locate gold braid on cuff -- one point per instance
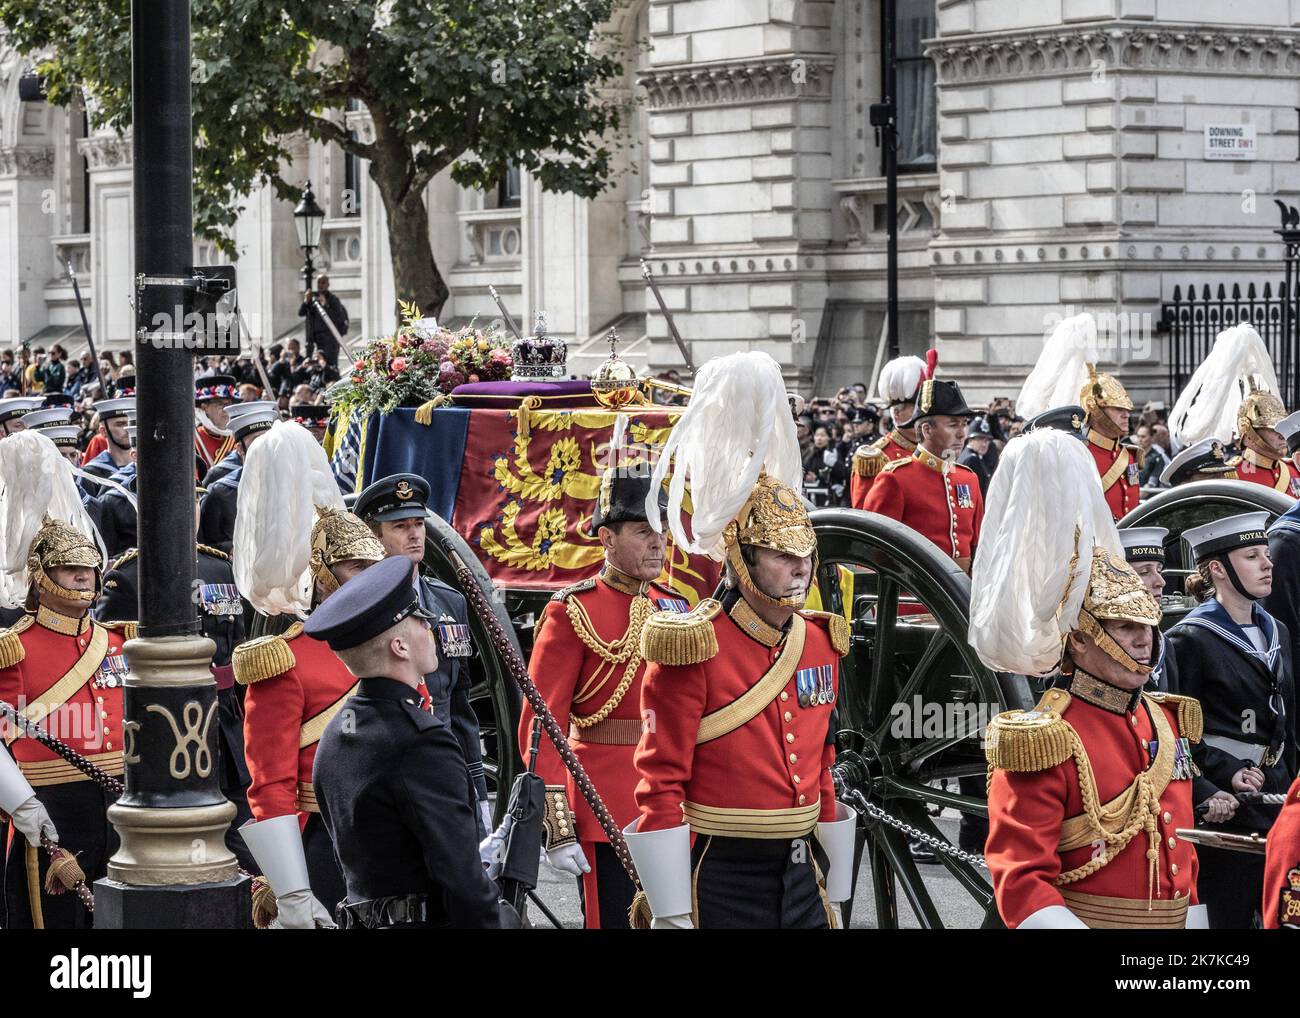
(558, 828)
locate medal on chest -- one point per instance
(816, 686)
(454, 639)
(221, 599)
(672, 604)
(1132, 472)
(1294, 487)
(964, 498)
(112, 672)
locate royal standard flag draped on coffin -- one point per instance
(521, 485)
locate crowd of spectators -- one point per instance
(31, 371)
(831, 429)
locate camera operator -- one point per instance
(319, 336)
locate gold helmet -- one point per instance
(1115, 592)
(339, 536)
(58, 544)
(1260, 409)
(1102, 390)
(773, 517)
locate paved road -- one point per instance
(958, 909)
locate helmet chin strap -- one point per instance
(1102, 422)
(737, 561)
(1107, 645)
(1233, 578)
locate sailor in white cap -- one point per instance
(1235, 658)
(1144, 550)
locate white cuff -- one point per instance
(14, 788)
(663, 862)
(276, 844)
(837, 839)
(1198, 918)
(1053, 917)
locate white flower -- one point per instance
(425, 328)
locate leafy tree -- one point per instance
(464, 85)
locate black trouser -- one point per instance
(614, 889)
(758, 884)
(322, 868)
(79, 811)
(1231, 886)
(233, 773)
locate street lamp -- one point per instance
(307, 219)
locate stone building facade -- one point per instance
(1053, 152)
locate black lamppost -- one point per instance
(307, 219)
(172, 868)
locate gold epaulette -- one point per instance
(124, 558)
(12, 650)
(837, 626)
(869, 460)
(1138, 453)
(265, 657)
(1032, 740)
(1191, 723)
(129, 630)
(895, 464)
(681, 638)
(574, 588)
(213, 551)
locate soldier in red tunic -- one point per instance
(738, 696)
(900, 381)
(212, 438)
(1088, 789)
(1107, 406)
(936, 497)
(1282, 866)
(1263, 458)
(294, 684)
(587, 663)
(61, 670)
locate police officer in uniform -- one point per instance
(1087, 790)
(751, 678)
(390, 777)
(1236, 659)
(394, 508)
(220, 504)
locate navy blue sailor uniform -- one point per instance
(222, 468)
(1247, 698)
(117, 518)
(1283, 601)
(217, 512)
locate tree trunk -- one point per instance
(415, 272)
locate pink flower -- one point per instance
(399, 364)
(473, 378)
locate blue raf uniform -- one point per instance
(406, 496)
(392, 784)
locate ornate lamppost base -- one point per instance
(173, 869)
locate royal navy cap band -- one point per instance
(1228, 534)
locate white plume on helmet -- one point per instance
(286, 475)
(35, 480)
(900, 378)
(1062, 367)
(736, 425)
(1207, 406)
(1043, 515)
